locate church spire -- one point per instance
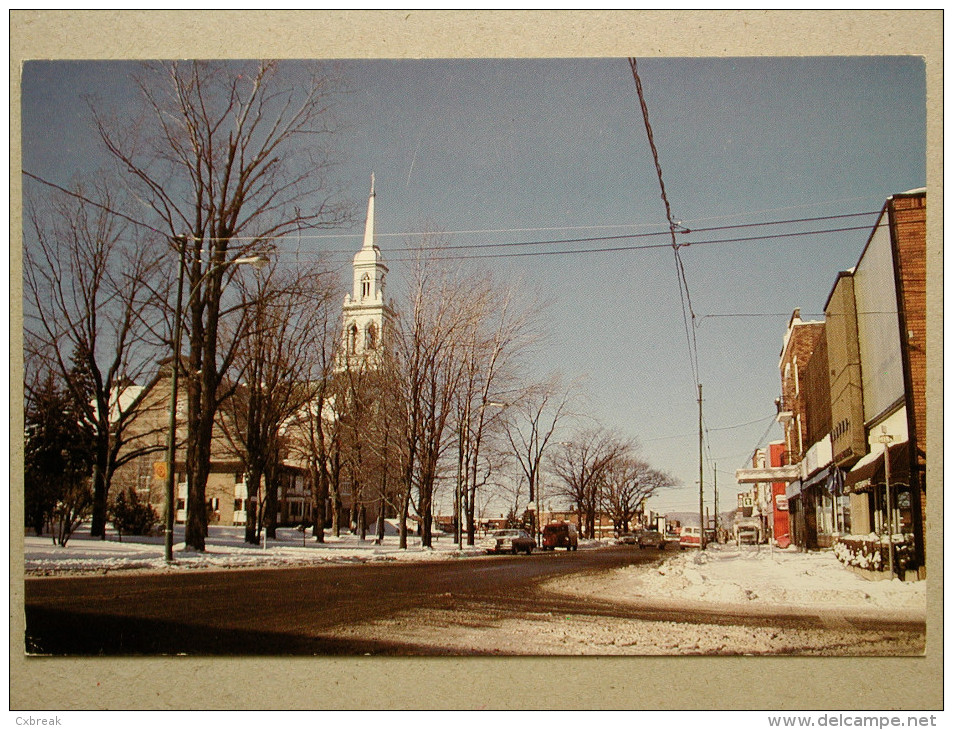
(367, 318)
(369, 225)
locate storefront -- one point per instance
(869, 483)
(819, 510)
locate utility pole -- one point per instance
(701, 474)
(716, 504)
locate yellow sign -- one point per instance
(159, 470)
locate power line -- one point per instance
(720, 428)
(683, 230)
(812, 219)
(590, 239)
(743, 239)
(605, 249)
(93, 203)
(760, 441)
(683, 292)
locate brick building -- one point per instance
(225, 492)
(890, 295)
(853, 400)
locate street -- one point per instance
(485, 605)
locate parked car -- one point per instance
(509, 541)
(651, 538)
(560, 534)
(690, 537)
(626, 538)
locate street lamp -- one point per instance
(257, 262)
(885, 439)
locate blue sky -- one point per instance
(509, 151)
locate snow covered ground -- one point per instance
(750, 579)
(225, 548)
(727, 581)
(723, 574)
(756, 576)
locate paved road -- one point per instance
(314, 610)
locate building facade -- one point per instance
(853, 404)
(887, 483)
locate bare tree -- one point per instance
(230, 156)
(500, 334)
(273, 378)
(90, 308)
(581, 466)
(359, 412)
(629, 481)
(315, 428)
(530, 426)
(428, 371)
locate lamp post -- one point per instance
(885, 439)
(258, 262)
(540, 519)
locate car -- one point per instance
(560, 534)
(509, 541)
(651, 538)
(690, 537)
(626, 538)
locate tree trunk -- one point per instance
(98, 528)
(319, 498)
(203, 388)
(196, 526)
(380, 523)
(251, 522)
(335, 487)
(197, 461)
(271, 505)
(382, 501)
(402, 517)
(426, 517)
(253, 492)
(320, 517)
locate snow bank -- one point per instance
(757, 575)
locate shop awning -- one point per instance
(871, 470)
(792, 490)
(830, 478)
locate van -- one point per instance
(690, 537)
(560, 534)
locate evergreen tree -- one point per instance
(131, 516)
(58, 460)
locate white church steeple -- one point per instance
(366, 316)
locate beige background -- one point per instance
(472, 683)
